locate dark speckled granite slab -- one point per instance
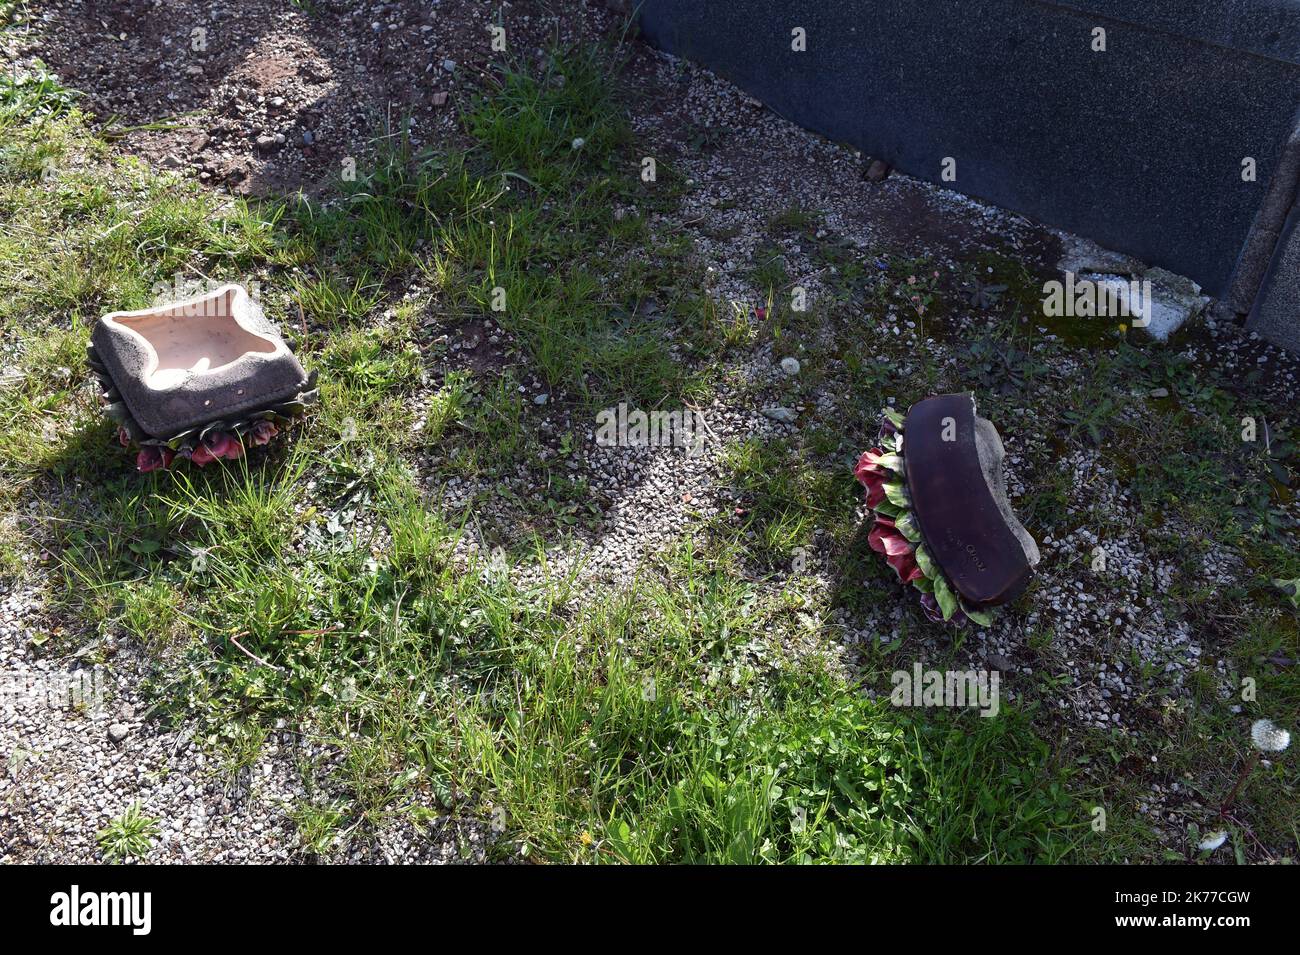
(1139, 146)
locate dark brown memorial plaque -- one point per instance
(954, 477)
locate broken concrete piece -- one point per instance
(197, 378)
(876, 170)
(958, 494)
(1159, 302)
(941, 518)
(203, 359)
(1079, 255)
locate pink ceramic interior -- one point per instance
(193, 338)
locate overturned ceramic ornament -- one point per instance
(940, 512)
(200, 379)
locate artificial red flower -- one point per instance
(217, 444)
(899, 554)
(887, 541)
(152, 457)
(869, 464)
(262, 432)
(905, 566)
(875, 489)
(875, 457)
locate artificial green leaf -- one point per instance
(946, 598)
(895, 418)
(926, 562)
(896, 493)
(906, 525)
(213, 426)
(885, 509)
(891, 461)
(983, 617)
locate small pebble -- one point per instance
(783, 415)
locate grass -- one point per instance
(325, 585)
(522, 229)
(129, 836)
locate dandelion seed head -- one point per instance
(1268, 737)
(1213, 841)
